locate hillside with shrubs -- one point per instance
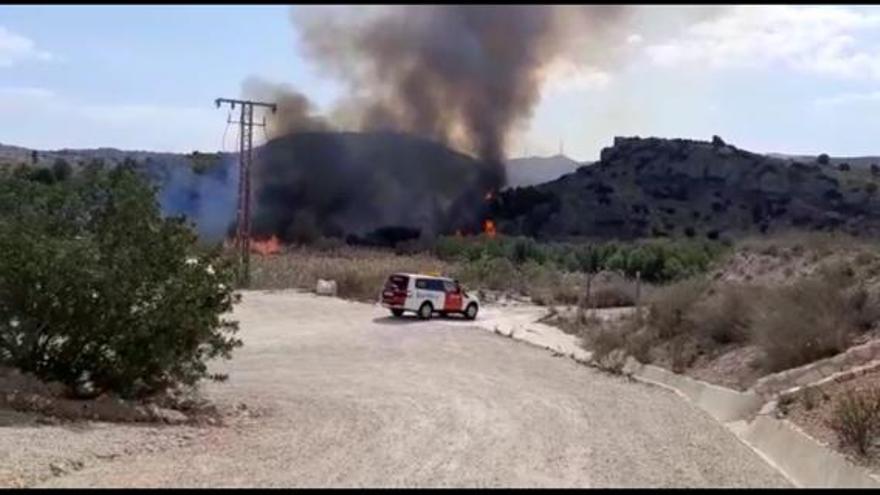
(652, 187)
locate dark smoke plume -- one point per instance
(295, 113)
(463, 75)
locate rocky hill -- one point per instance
(648, 187)
(846, 161)
(346, 183)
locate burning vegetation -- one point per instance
(272, 245)
(374, 188)
(489, 228)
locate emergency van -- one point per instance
(426, 295)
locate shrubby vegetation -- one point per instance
(549, 273)
(657, 260)
(856, 420)
(102, 294)
(812, 316)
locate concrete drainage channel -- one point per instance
(804, 461)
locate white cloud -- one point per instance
(822, 40)
(15, 48)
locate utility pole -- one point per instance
(245, 160)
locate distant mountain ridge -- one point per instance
(524, 171)
(14, 155)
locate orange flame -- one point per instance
(489, 228)
(266, 246)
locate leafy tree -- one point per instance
(100, 292)
(42, 175)
(823, 159)
(61, 169)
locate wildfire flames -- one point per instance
(266, 246)
(489, 228)
(489, 224)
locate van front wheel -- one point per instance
(426, 311)
(471, 312)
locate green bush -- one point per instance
(99, 292)
(489, 273)
(657, 260)
(524, 249)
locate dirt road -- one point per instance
(354, 398)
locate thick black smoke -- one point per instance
(294, 113)
(465, 75)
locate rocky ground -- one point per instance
(340, 394)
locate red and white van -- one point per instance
(426, 295)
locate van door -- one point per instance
(431, 290)
(453, 296)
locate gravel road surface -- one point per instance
(348, 396)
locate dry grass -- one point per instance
(360, 273)
(725, 315)
(603, 339)
(800, 242)
(808, 320)
(792, 324)
(613, 295)
(811, 397)
(772, 323)
(856, 419)
(669, 308)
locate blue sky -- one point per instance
(786, 79)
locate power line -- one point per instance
(245, 159)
